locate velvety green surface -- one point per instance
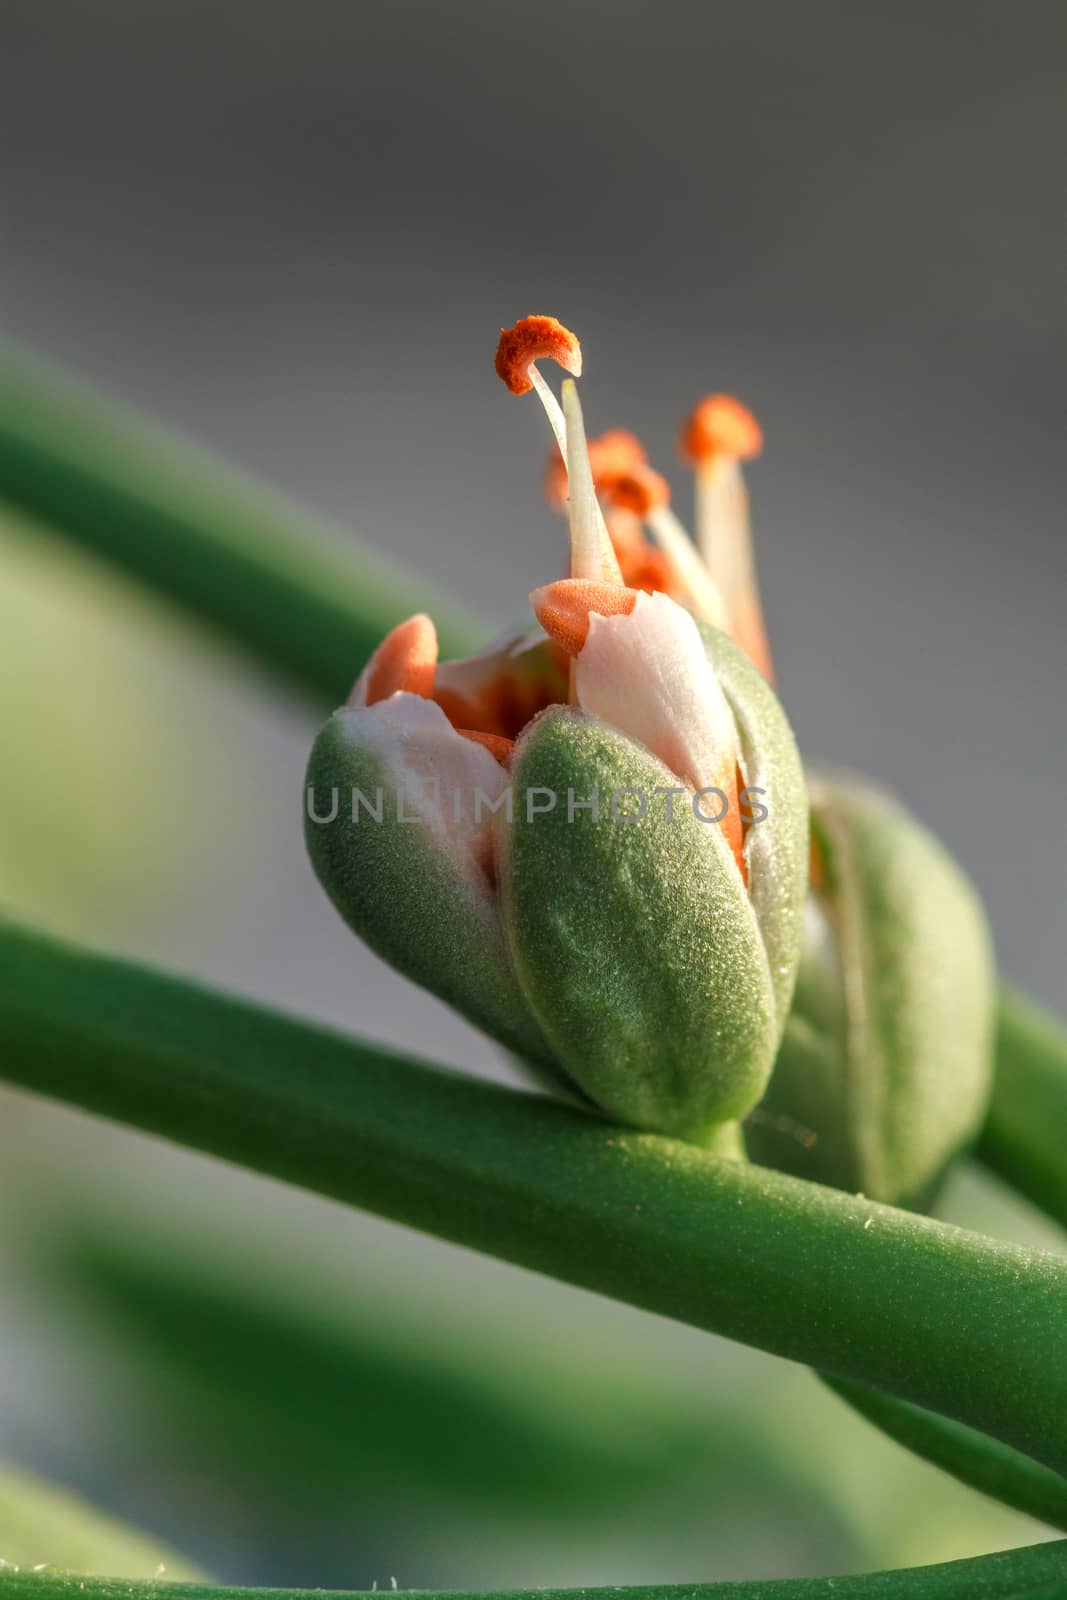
(634, 940)
(886, 1066)
(1038, 1572)
(776, 848)
(406, 894)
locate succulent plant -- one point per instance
(608, 866)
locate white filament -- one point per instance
(672, 537)
(724, 537)
(588, 533)
(552, 408)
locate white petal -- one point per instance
(435, 774)
(647, 675)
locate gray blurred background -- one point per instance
(293, 232)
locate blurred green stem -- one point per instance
(268, 575)
(1025, 1142)
(804, 1272)
(976, 1460)
(1037, 1572)
(1025, 1136)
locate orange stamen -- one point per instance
(733, 823)
(720, 426)
(643, 565)
(626, 533)
(640, 489)
(750, 635)
(501, 703)
(650, 570)
(495, 743)
(615, 452)
(535, 339)
(405, 660)
(563, 608)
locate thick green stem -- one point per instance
(1025, 1136)
(270, 576)
(1038, 1572)
(967, 1326)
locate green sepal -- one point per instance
(401, 890)
(635, 940)
(885, 1069)
(776, 848)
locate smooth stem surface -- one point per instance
(1038, 1572)
(976, 1460)
(1025, 1136)
(269, 576)
(960, 1324)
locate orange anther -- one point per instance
(563, 608)
(615, 452)
(640, 489)
(649, 570)
(406, 659)
(495, 743)
(626, 533)
(720, 426)
(535, 339)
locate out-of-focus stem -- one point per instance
(267, 574)
(1025, 1136)
(976, 1460)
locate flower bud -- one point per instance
(885, 1069)
(659, 968)
(398, 824)
(591, 841)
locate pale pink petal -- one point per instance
(647, 675)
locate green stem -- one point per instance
(1038, 1572)
(1025, 1142)
(1025, 1136)
(976, 1460)
(726, 1139)
(268, 575)
(807, 1273)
